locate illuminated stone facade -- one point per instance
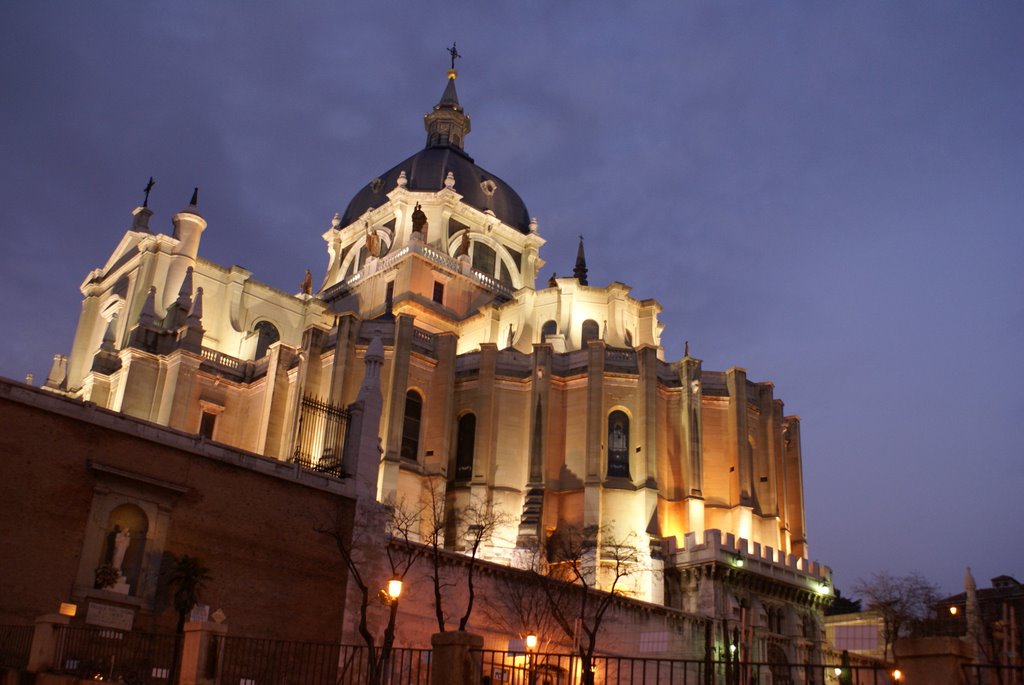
(550, 402)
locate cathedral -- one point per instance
(548, 401)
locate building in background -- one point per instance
(551, 405)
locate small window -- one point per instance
(411, 425)
(439, 292)
(389, 296)
(618, 445)
(464, 444)
(591, 331)
(268, 335)
(206, 424)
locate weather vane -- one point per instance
(454, 53)
(149, 187)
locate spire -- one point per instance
(194, 202)
(579, 272)
(447, 124)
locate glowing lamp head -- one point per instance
(838, 671)
(68, 609)
(953, 611)
(897, 675)
(531, 641)
(732, 649)
(394, 588)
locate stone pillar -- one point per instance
(362, 456)
(43, 653)
(200, 656)
(457, 659)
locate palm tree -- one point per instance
(187, 579)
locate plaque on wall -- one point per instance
(109, 616)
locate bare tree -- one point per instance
(586, 567)
(391, 526)
(519, 606)
(900, 600)
(476, 523)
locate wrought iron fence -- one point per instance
(506, 668)
(254, 661)
(15, 644)
(321, 437)
(992, 674)
(406, 666)
(107, 654)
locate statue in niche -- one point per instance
(122, 538)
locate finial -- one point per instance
(686, 348)
(533, 224)
(147, 317)
(185, 291)
(336, 220)
(402, 179)
(553, 281)
(149, 187)
(449, 181)
(455, 55)
(194, 202)
(195, 312)
(580, 271)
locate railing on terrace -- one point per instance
(506, 668)
(107, 654)
(254, 661)
(15, 644)
(246, 370)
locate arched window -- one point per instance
(464, 442)
(268, 335)
(550, 327)
(618, 445)
(591, 331)
(411, 425)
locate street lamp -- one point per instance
(394, 589)
(531, 645)
(897, 675)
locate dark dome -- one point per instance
(426, 171)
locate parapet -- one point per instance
(711, 546)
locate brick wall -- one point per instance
(251, 520)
